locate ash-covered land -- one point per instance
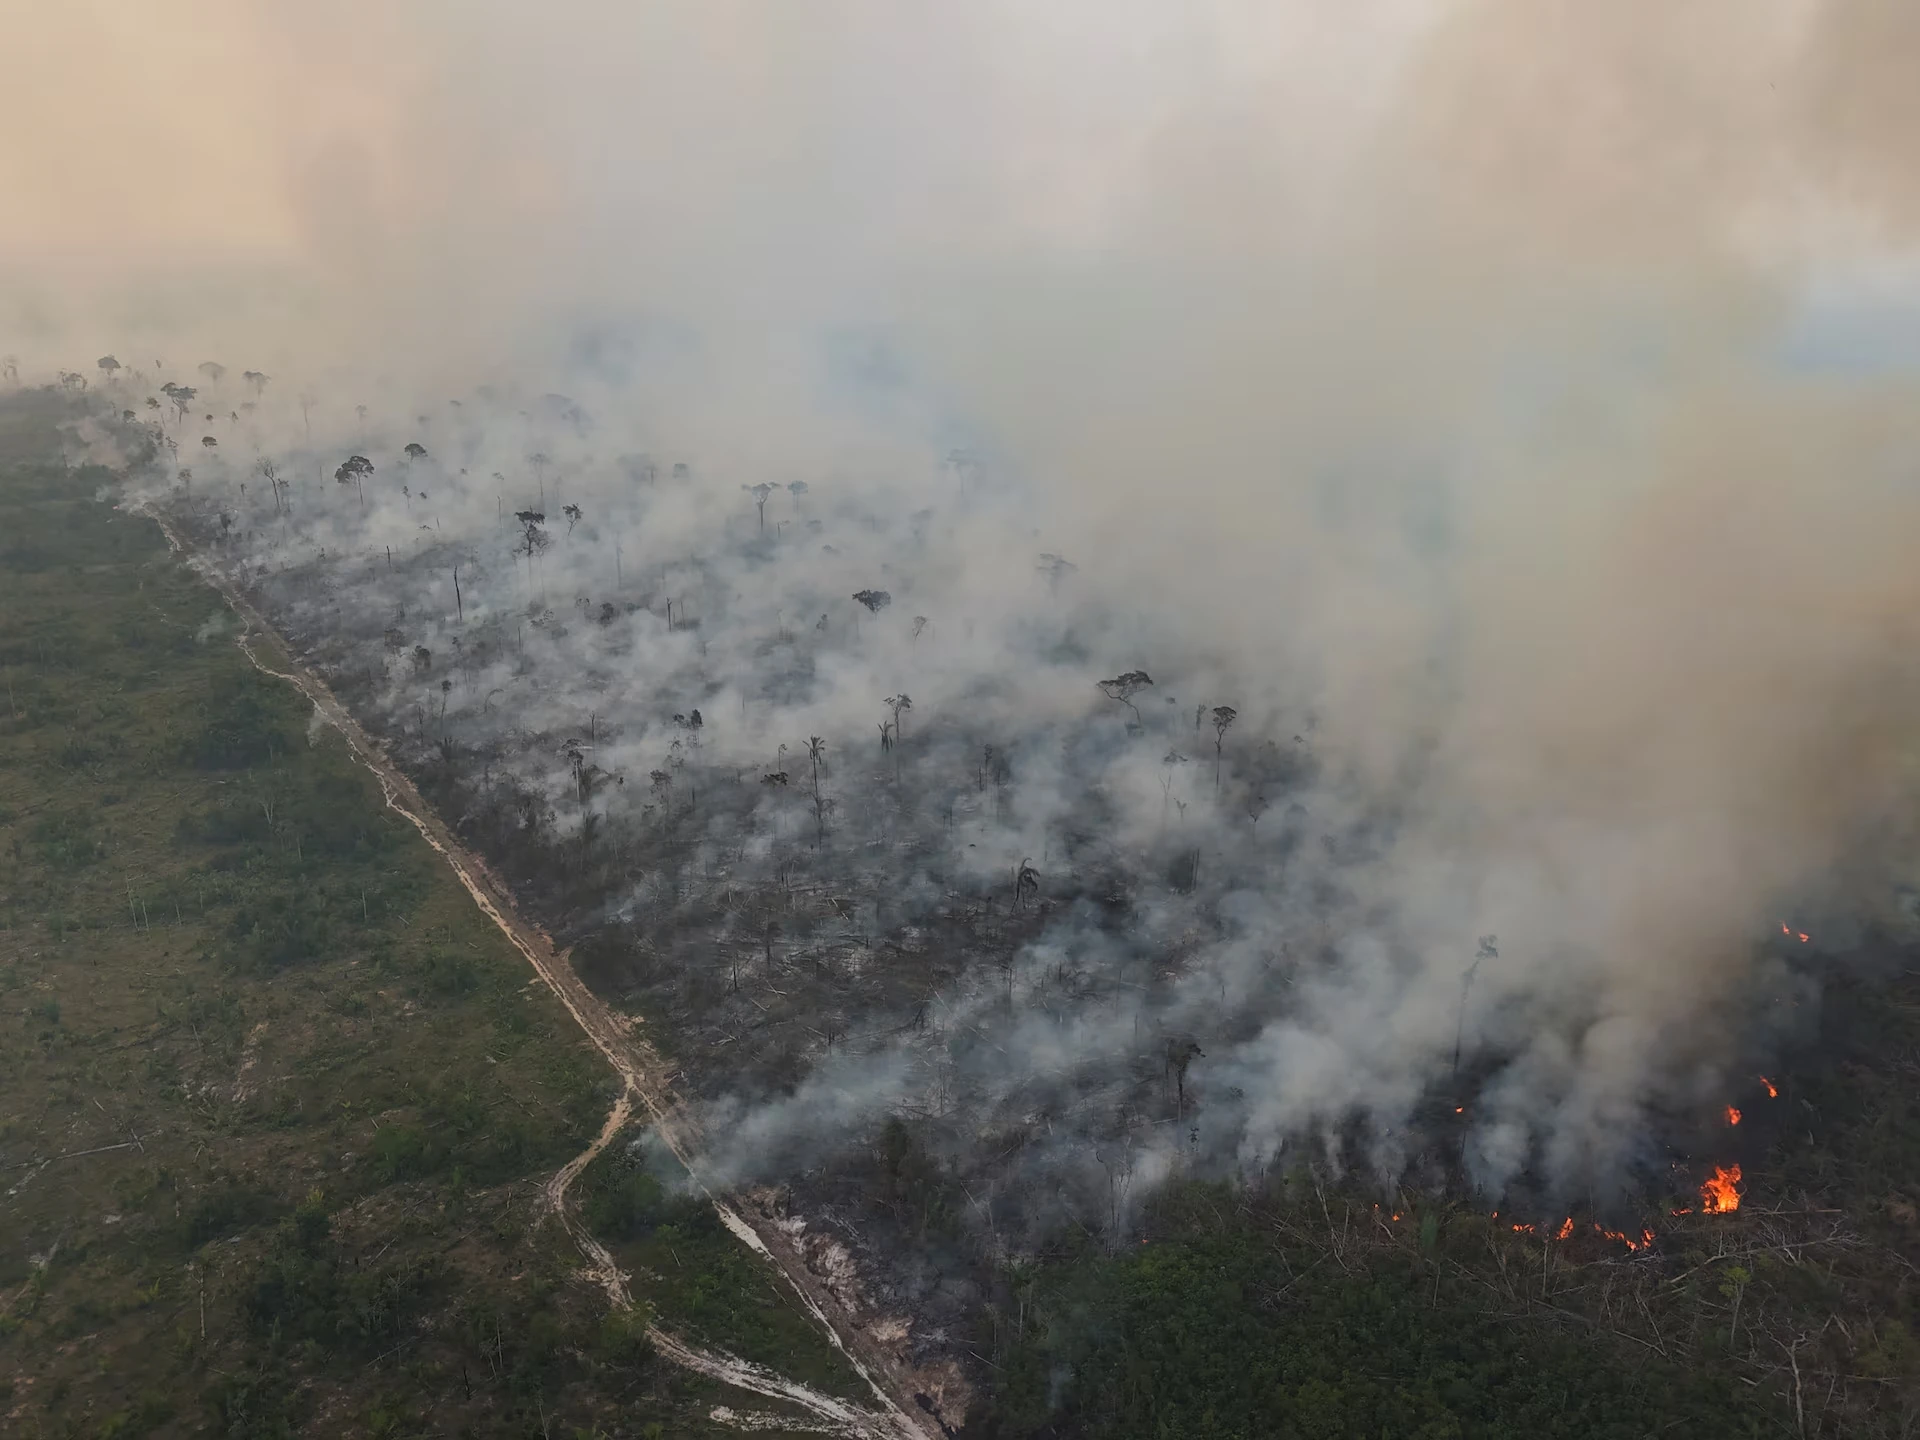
(921, 848)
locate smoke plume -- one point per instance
(1500, 405)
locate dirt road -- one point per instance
(642, 1076)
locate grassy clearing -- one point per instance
(275, 1099)
(680, 1255)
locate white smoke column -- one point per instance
(1430, 373)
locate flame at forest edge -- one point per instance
(1720, 1195)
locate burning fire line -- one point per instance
(1720, 1195)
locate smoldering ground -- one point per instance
(1430, 392)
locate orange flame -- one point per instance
(1566, 1229)
(1720, 1195)
(1645, 1240)
(1804, 937)
(1772, 1094)
(1733, 1116)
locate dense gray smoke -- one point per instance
(1491, 406)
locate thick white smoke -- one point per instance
(1433, 383)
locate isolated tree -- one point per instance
(1026, 883)
(10, 369)
(1171, 762)
(152, 404)
(534, 541)
(572, 512)
(107, 365)
(899, 704)
(354, 471)
(1124, 687)
(207, 442)
(919, 624)
(307, 402)
(271, 473)
(415, 450)
(1056, 568)
(360, 413)
(182, 396)
(1180, 1054)
(1223, 716)
(213, 370)
(422, 659)
(680, 470)
(577, 762)
(73, 380)
(797, 489)
(1489, 950)
(874, 600)
(816, 752)
(761, 494)
(255, 379)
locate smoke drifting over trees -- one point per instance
(1443, 414)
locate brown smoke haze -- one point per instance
(1423, 365)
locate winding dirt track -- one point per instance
(642, 1078)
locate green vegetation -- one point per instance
(1289, 1311)
(1225, 1324)
(717, 1293)
(276, 1101)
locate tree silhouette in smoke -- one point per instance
(1055, 568)
(1223, 717)
(1124, 687)
(354, 471)
(761, 493)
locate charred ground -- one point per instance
(982, 1078)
